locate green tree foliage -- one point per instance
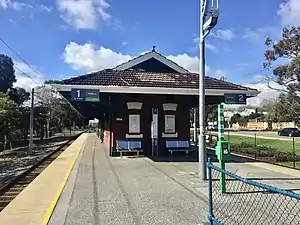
(283, 58)
(236, 118)
(9, 118)
(19, 95)
(7, 73)
(211, 114)
(285, 108)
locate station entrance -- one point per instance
(144, 103)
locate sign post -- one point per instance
(223, 146)
(154, 131)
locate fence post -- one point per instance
(228, 135)
(210, 198)
(294, 155)
(255, 145)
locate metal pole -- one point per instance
(31, 121)
(210, 199)
(294, 155)
(202, 148)
(195, 125)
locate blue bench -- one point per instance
(129, 146)
(178, 146)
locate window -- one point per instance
(134, 123)
(170, 124)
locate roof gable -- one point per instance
(151, 55)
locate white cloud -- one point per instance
(124, 43)
(289, 12)
(212, 48)
(46, 8)
(83, 14)
(224, 34)
(208, 46)
(266, 93)
(4, 3)
(259, 35)
(23, 79)
(88, 58)
(14, 5)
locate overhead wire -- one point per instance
(38, 73)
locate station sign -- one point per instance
(84, 95)
(235, 99)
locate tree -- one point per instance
(7, 73)
(235, 118)
(9, 118)
(19, 95)
(211, 114)
(282, 109)
(286, 53)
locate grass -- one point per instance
(281, 145)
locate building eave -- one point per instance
(154, 90)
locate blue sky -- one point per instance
(62, 38)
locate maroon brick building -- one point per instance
(130, 92)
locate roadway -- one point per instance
(262, 134)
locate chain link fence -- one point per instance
(249, 202)
(281, 151)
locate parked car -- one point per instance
(291, 132)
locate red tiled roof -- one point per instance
(136, 78)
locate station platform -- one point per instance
(98, 189)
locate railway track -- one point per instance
(10, 190)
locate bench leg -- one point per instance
(187, 153)
(171, 152)
(121, 154)
(138, 154)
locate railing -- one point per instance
(249, 202)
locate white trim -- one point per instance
(170, 107)
(134, 105)
(164, 135)
(134, 136)
(148, 56)
(155, 90)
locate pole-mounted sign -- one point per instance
(209, 14)
(235, 99)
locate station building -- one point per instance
(145, 102)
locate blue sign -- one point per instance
(235, 99)
(84, 95)
(78, 95)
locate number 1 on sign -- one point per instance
(78, 93)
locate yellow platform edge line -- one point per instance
(54, 201)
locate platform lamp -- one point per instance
(209, 14)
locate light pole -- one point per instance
(206, 24)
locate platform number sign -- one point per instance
(235, 99)
(84, 95)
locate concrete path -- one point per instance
(128, 191)
(103, 190)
